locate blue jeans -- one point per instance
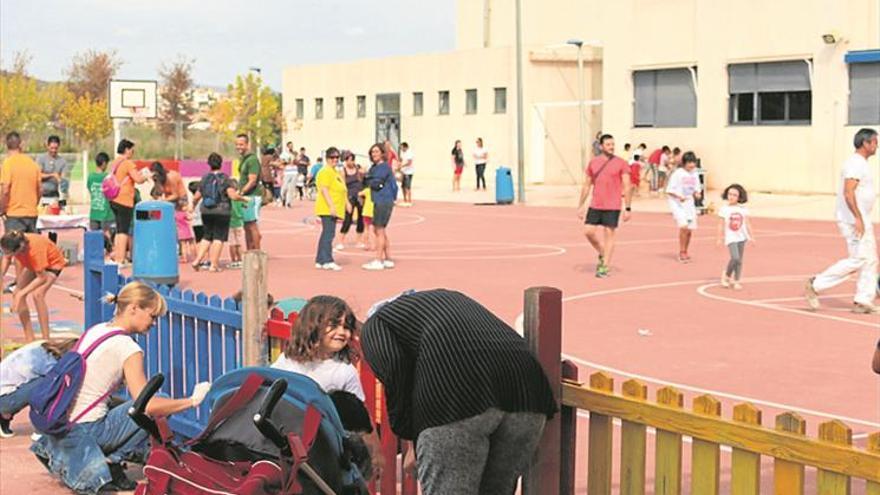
(325, 242)
(15, 401)
(81, 456)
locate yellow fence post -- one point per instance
(873, 488)
(632, 445)
(788, 477)
(745, 476)
(667, 453)
(600, 442)
(829, 482)
(705, 456)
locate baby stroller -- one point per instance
(270, 432)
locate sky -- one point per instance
(224, 37)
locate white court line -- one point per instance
(800, 298)
(703, 291)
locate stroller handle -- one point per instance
(262, 419)
(136, 411)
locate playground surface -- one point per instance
(654, 319)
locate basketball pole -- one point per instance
(520, 145)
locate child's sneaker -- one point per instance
(388, 264)
(865, 309)
(373, 265)
(737, 286)
(319, 266)
(5, 430)
(811, 295)
(332, 266)
(602, 271)
(725, 281)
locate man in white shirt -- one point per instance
(407, 169)
(855, 202)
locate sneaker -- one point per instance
(234, 265)
(865, 309)
(331, 266)
(339, 247)
(388, 264)
(811, 295)
(725, 281)
(319, 266)
(602, 271)
(9, 288)
(737, 286)
(5, 430)
(373, 265)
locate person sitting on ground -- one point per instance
(39, 264)
(89, 457)
(20, 372)
(463, 384)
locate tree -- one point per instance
(87, 118)
(90, 73)
(222, 117)
(264, 126)
(176, 95)
(22, 106)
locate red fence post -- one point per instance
(542, 323)
(568, 446)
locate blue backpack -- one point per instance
(212, 190)
(53, 398)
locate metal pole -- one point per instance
(520, 147)
(581, 119)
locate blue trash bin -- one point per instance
(503, 186)
(154, 245)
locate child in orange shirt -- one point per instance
(40, 263)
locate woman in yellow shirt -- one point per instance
(331, 204)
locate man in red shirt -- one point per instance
(607, 178)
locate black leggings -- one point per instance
(481, 174)
(346, 222)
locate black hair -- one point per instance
(124, 146)
(665, 149)
(215, 161)
(101, 159)
(268, 150)
(404, 144)
(743, 195)
(243, 136)
(193, 186)
(160, 175)
(676, 150)
(289, 142)
(381, 150)
(302, 148)
(863, 136)
(688, 157)
(13, 141)
(331, 150)
(626, 147)
(605, 137)
(352, 412)
(53, 139)
(643, 145)
(12, 241)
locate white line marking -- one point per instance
(801, 298)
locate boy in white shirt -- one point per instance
(684, 186)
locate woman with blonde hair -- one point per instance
(90, 456)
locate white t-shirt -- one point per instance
(735, 228)
(664, 162)
(856, 167)
(684, 183)
(330, 374)
(103, 370)
(480, 155)
(407, 157)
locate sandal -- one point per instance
(196, 266)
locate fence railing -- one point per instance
(832, 453)
(199, 339)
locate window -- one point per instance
(864, 93)
(300, 108)
(470, 101)
(665, 98)
(500, 100)
(319, 108)
(340, 107)
(417, 103)
(443, 103)
(388, 103)
(774, 93)
(361, 106)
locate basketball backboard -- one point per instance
(132, 99)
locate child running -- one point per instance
(20, 372)
(40, 263)
(684, 186)
(735, 229)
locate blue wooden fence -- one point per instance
(199, 339)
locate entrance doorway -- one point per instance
(388, 118)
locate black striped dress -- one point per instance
(442, 357)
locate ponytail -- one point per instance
(139, 294)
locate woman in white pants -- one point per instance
(855, 201)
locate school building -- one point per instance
(768, 94)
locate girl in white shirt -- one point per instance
(734, 230)
(481, 156)
(683, 188)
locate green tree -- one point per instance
(87, 118)
(261, 122)
(176, 95)
(22, 107)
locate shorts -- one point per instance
(124, 216)
(251, 211)
(368, 221)
(684, 214)
(382, 214)
(407, 182)
(23, 224)
(105, 225)
(236, 236)
(607, 218)
(55, 271)
(215, 228)
(459, 169)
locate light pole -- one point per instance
(520, 147)
(259, 72)
(581, 125)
